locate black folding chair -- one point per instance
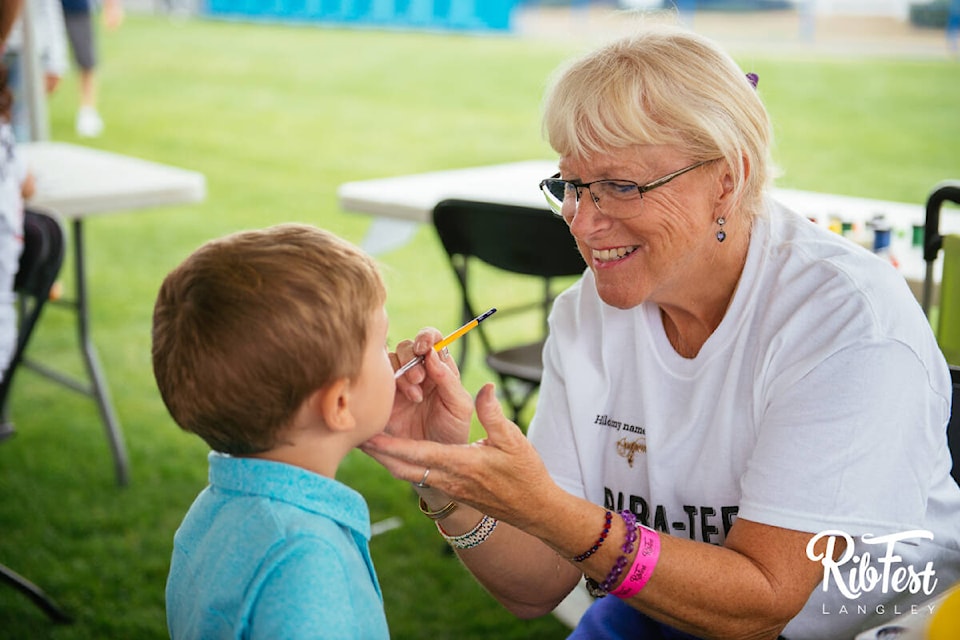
(40, 262)
(43, 250)
(515, 239)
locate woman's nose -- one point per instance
(588, 217)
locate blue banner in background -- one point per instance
(452, 15)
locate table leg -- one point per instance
(96, 385)
(36, 594)
(98, 382)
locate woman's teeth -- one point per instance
(608, 255)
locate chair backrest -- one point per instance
(513, 238)
(40, 262)
(516, 239)
(519, 240)
(953, 427)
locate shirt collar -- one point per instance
(294, 485)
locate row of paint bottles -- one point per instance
(875, 235)
(882, 237)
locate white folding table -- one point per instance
(78, 182)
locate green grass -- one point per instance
(276, 118)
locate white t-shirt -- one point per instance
(819, 403)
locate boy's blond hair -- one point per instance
(249, 325)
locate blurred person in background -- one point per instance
(953, 27)
(51, 46)
(81, 33)
(15, 185)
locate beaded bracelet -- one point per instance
(608, 518)
(472, 538)
(630, 521)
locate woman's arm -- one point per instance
(749, 588)
(525, 575)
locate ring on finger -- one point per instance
(423, 481)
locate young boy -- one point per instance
(271, 346)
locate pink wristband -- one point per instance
(648, 552)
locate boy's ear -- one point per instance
(331, 403)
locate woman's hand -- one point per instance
(431, 403)
(497, 475)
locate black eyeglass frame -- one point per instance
(580, 186)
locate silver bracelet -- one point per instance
(472, 538)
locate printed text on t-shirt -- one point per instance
(702, 523)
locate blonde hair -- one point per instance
(252, 323)
(663, 85)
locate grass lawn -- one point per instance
(276, 118)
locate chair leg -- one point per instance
(32, 591)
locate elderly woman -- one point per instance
(741, 425)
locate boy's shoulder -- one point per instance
(290, 497)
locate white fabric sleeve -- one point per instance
(837, 445)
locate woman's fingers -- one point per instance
(494, 475)
(409, 383)
(489, 409)
(501, 432)
(442, 371)
(405, 459)
(398, 468)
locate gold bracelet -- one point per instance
(440, 513)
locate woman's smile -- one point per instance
(613, 254)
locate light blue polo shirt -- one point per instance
(273, 551)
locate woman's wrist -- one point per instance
(433, 497)
(438, 513)
(632, 569)
(608, 522)
(433, 503)
(472, 538)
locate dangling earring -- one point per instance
(721, 234)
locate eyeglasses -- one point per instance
(614, 198)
